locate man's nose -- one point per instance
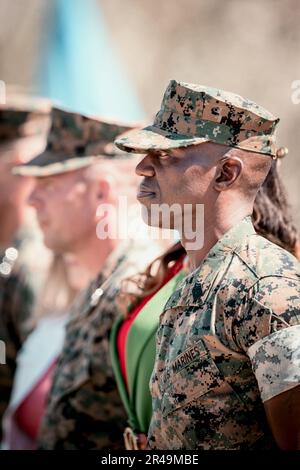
(145, 167)
(33, 199)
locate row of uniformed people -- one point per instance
(83, 373)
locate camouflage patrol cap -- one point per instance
(23, 116)
(193, 114)
(74, 141)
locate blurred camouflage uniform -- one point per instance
(21, 117)
(84, 410)
(74, 141)
(16, 299)
(229, 336)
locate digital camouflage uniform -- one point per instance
(16, 300)
(229, 339)
(229, 336)
(194, 114)
(84, 409)
(20, 117)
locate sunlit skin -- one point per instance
(208, 174)
(66, 206)
(226, 181)
(65, 210)
(14, 189)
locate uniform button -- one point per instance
(5, 268)
(96, 296)
(11, 254)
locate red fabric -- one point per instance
(127, 323)
(30, 412)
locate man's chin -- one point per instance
(156, 222)
(52, 245)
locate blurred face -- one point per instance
(181, 176)
(14, 189)
(66, 210)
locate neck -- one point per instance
(9, 226)
(215, 224)
(87, 260)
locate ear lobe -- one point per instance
(103, 190)
(18, 158)
(228, 171)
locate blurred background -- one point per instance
(115, 57)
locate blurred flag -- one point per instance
(78, 64)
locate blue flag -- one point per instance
(78, 65)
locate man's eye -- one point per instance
(49, 186)
(163, 156)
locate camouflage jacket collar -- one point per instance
(195, 288)
(88, 299)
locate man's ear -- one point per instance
(19, 158)
(28, 148)
(228, 170)
(103, 190)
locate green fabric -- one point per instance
(116, 367)
(140, 356)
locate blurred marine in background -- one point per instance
(24, 122)
(78, 181)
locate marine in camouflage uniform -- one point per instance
(16, 300)
(229, 336)
(84, 410)
(21, 119)
(229, 339)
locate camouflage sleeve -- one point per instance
(15, 309)
(16, 306)
(269, 333)
(276, 362)
(84, 410)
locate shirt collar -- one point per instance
(195, 288)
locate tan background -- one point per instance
(249, 47)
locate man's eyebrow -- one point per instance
(157, 153)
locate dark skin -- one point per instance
(283, 414)
(209, 174)
(226, 181)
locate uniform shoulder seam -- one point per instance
(282, 276)
(246, 264)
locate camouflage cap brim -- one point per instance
(192, 114)
(74, 141)
(34, 168)
(23, 115)
(154, 138)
